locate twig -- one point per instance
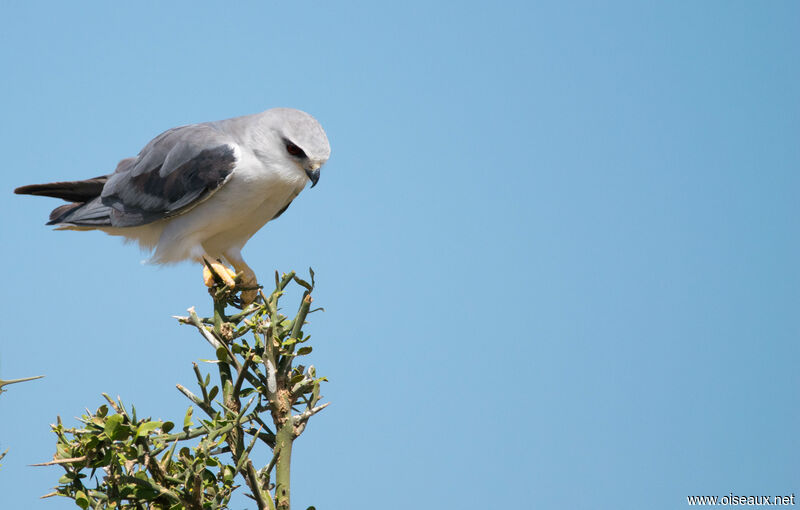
(237, 387)
(15, 381)
(194, 320)
(61, 461)
(196, 400)
(308, 413)
(163, 491)
(300, 319)
(255, 486)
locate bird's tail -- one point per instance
(86, 209)
(71, 191)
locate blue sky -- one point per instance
(557, 243)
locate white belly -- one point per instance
(251, 197)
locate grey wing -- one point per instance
(174, 172)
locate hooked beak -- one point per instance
(313, 174)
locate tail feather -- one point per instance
(59, 213)
(85, 209)
(91, 214)
(71, 191)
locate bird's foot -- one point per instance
(250, 284)
(214, 271)
(217, 274)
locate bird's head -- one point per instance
(297, 141)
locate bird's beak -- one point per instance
(313, 173)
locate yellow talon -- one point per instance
(227, 274)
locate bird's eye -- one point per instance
(294, 150)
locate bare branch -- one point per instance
(15, 381)
(55, 462)
(196, 400)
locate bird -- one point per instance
(199, 192)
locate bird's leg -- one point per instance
(248, 281)
(217, 268)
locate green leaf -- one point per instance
(222, 354)
(102, 411)
(146, 428)
(187, 420)
(296, 379)
(167, 426)
(302, 351)
(126, 491)
(81, 500)
(92, 442)
(228, 473)
(105, 461)
(213, 392)
(311, 272)
(112, 425)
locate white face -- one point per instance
(301, 140)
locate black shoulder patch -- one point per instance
(282, 210)
(202, 173)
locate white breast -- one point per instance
(252, 195)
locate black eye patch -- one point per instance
(294, 150)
